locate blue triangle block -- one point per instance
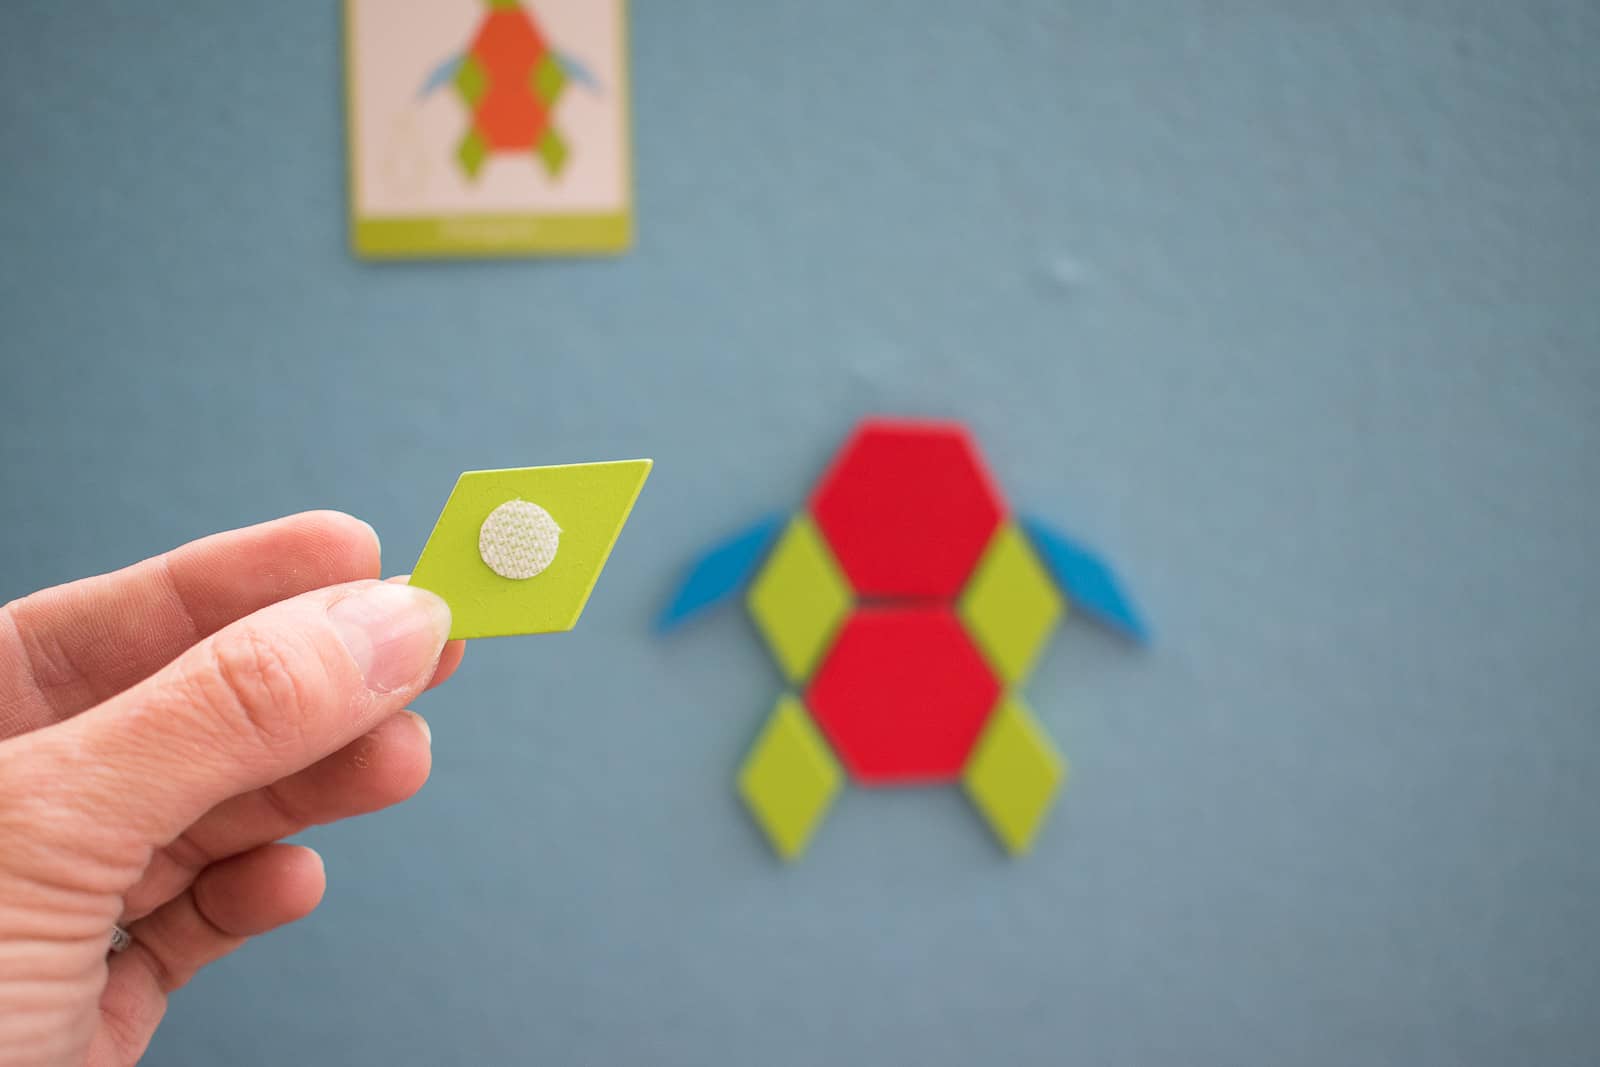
(573, 68)
(1088, 582)
(442, 75)
(719, 572)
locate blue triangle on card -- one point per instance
(441, 76)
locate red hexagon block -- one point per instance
(508, 44)
(908, 508)
(903, 695)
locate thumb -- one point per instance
(254, 702)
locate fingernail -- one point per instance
(374, 531)
(422, 724)
(322, 865)
(394, 632)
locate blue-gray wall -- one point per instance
(1291, 307)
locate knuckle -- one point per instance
(42, 655)
(263, 686)
(167, 978)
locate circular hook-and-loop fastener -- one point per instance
(518, 540)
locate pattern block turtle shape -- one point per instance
(906, 606)
(510, 79)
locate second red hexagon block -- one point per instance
(903, 695)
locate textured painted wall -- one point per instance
(1292, 307)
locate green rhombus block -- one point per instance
(471, 80)
(472, 153)
(548, 80)
(553, 150)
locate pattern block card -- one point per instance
(488, 127)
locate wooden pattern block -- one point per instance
(719, 572)
(590, 503)
(798, 599)
(1011, 605)
(1088, 581)
(789, 779)
(1013, 775)
(907, 507)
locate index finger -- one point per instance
(66, 649)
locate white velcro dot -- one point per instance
(518, 539)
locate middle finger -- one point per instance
(375, 771)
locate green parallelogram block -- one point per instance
(589, 502)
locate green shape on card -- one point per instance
(471, 80)
(472, 152)
(553, 151)
(548, 80)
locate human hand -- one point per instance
(160, 729)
